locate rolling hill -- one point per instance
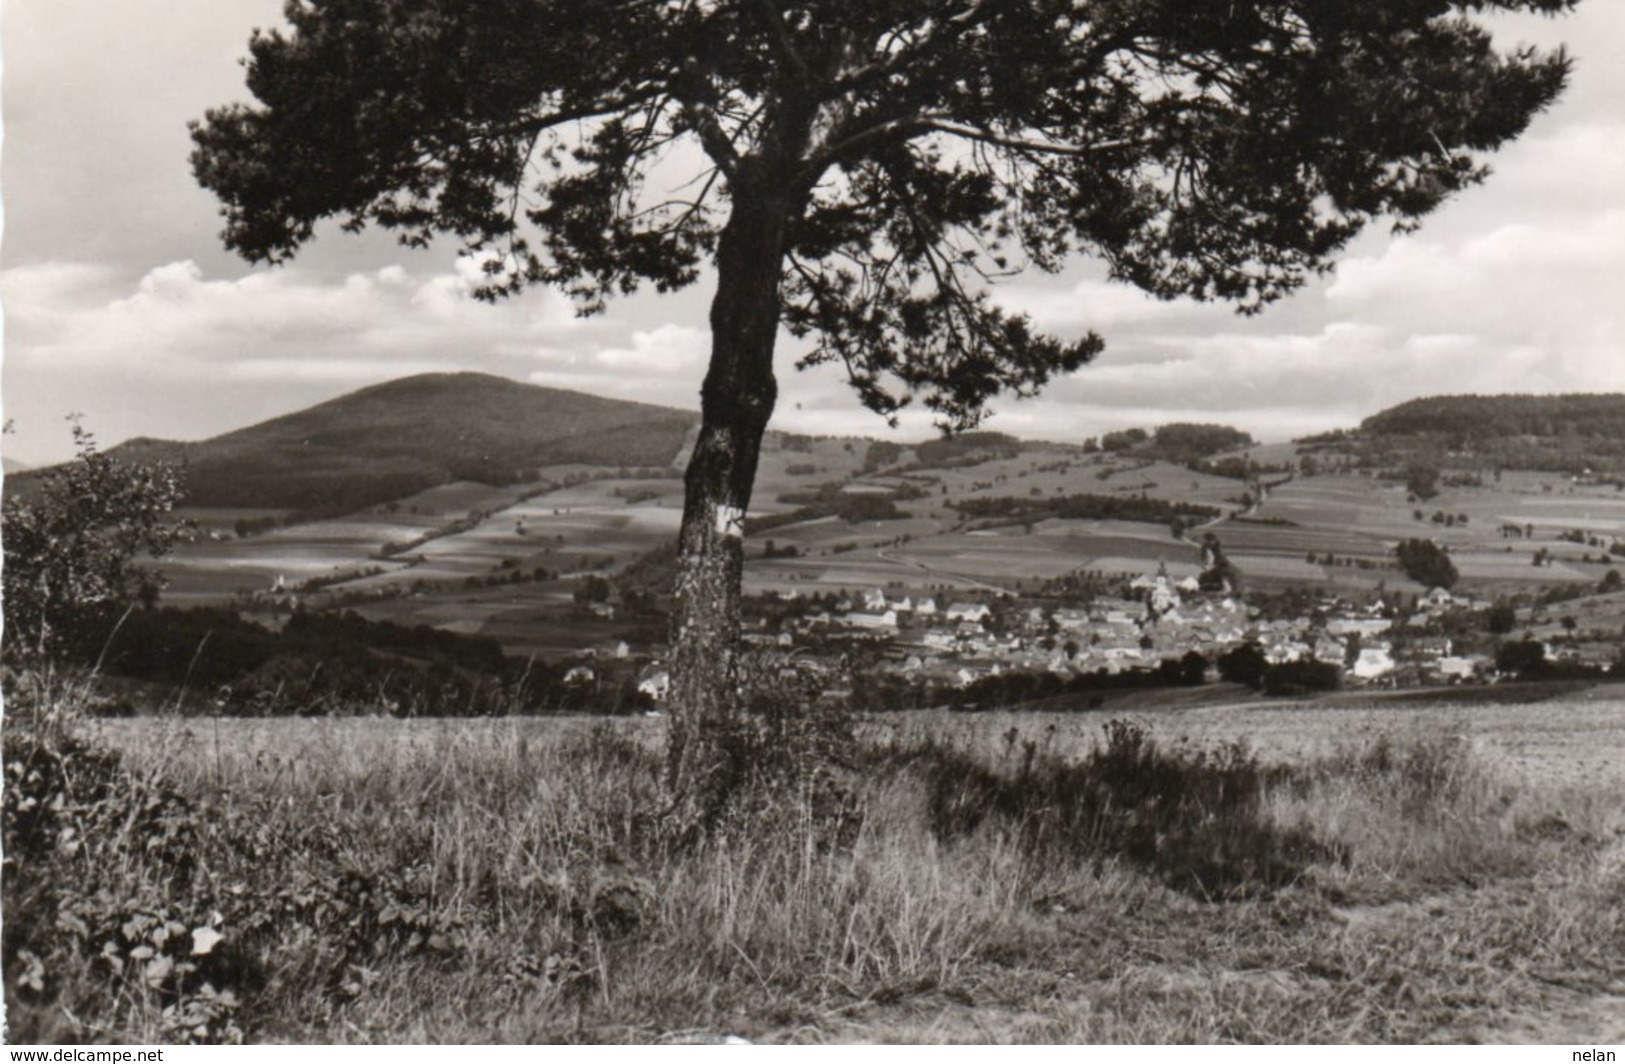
(394, 439)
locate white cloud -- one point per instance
(669, 350)
(339, 371)
(174, 352)
(1539, 304)
(1093, 303)
(1278, 386)
(1558, 171)
(174, 320)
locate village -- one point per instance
(1153, 624)
(1155, 619)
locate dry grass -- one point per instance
(510, 881)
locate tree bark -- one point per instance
(736, 402)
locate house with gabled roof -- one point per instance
(969, 611)
(1374, 662)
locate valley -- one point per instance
(974, 570)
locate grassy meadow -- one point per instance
(1364, 873)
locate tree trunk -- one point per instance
(736, 402)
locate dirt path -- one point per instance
(972, 581)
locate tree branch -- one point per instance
(1024, 144)
(946, 30)
(783, 43)
(897, 129)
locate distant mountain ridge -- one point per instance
(391, 440)
(394, 439)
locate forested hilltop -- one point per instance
(1485, 417)
(1566, 433)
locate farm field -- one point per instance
(1012, 554)
(577, 520)
(1569, 741)
(930, 558)
(820, 535)
(1603, 615)
(1574, 743)
(1034, 475)
(578, 525)
(1470, 862)
(858, 569)
(532, 618)
(1340, 502)
(1550, 503)
(1503, 567)
(212, 572)
(1244, 537)
(1363, 518)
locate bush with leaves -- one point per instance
(107, 912)
(142, 912)
(71, 538)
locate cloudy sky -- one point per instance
(120, 305)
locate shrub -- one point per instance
(1197, 820)
(1416, 812)
(1302, 677)
(71, 540)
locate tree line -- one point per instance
(1084, 506)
